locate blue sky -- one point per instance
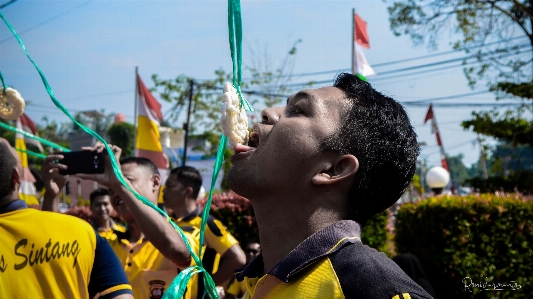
(89, 50)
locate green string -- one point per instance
(30, 153)
(3, 84)
(29, 135)
(116, 169)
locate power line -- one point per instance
(7, 3)
(395, 61)
(45, 21)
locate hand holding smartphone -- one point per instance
(89, 162)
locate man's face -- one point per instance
(252, 250)
(142, 182)
(284, 152)
(174, 194)
(101, 207)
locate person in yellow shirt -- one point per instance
(222, 254)
(50, 255)
(101, 210)
(151, 250)
(315, 171)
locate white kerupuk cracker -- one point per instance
(234, 120)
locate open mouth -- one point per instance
(253, 143)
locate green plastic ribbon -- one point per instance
(29, 135)
(3, 84)
(182, 283)
(31, 153)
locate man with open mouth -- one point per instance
(316, 170)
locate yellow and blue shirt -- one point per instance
(217, 240)
(332, 263)
(51, 255)
(148, 271)
(217, 237)
(109, 234)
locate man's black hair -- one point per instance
(378, 132)
(97, 193)
(189, 177)
(143, 162)
(7, 164)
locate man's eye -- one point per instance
(294, 110)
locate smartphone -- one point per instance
(82, 162)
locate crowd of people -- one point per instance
(313, 170)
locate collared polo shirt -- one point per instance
(217, 237)
(331, 263)
(52, 255)
(109, 234)
(149, 272)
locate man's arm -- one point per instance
(53, 182)
(108, 279)
(156, 229)
(233, 258)
(154, 226)
(231, 255)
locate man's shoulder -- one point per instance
(365, 272)
(60, 219)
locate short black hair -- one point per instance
(97, 193)
(189, 177)
(7, 164)
(378, 132)
(141, 161)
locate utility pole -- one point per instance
(186, 125)
(482, 159)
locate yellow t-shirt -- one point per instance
(217, 237)
(148, 271)
(47, 255)
(110, 234)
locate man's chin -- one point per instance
(240, 182)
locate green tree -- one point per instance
(55, 132)
(495, 34)
(122, 135)
(458, 170)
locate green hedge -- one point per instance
(376, 234)
(484, 237)
(236, 212)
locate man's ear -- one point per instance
(17, 176)
(156, 182)
(188, 192)
(339, 169)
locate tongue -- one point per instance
(239, 148)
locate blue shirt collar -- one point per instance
(13, 206)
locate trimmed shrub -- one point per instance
(376, 233)
(483, 239)
(236, 212)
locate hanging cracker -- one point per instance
(11, 104)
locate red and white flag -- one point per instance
(361, 34)
(147, 143)
(29, 126)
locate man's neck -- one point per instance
(277, 225)
(182, 211)
(103, 223)
(9, 199)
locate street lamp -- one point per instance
(437, 178)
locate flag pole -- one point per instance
(136, 116)
(444, 158)
(353, 41)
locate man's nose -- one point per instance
(271, 115)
